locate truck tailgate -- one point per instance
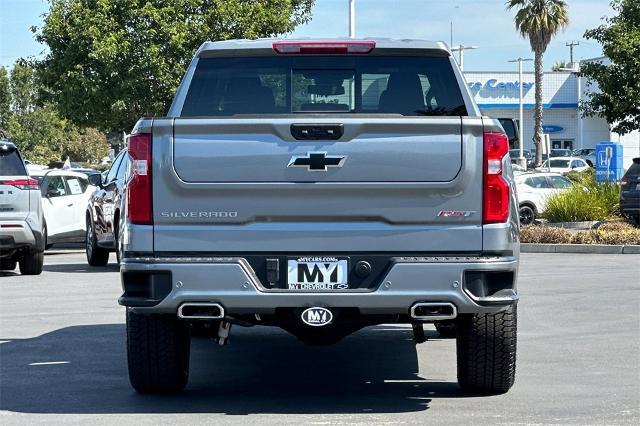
(404, 185)
(389, 150)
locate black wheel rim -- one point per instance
(526, 216)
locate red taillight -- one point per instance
(31, 184)
(139, 196)
(624, 181)
(324, 48)
(495, 207)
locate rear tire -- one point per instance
(31, 263)
(527, 215)
(96, 256)
(158, 352)
(486, 349)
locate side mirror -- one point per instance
(95, 179)
(52, 193)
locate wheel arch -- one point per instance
(529, 203)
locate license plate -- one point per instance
(317, 273)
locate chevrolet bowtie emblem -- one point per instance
(317, 161)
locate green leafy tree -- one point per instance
(40, 134)
(5, 99)
(618, 97)
(24, 88)
(559, 66)
(112, 61)
(86, 145)
(38, 130)
(539, 21)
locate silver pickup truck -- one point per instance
(321, 187)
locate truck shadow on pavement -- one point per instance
(80, 268)
(263, 370)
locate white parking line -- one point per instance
(50, 363)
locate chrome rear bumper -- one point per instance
(231, 282)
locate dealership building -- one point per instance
(497, 96)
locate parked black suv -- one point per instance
(630, 194)
(103, 211)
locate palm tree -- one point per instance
(539, 21)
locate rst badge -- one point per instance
(317, 273)
(317, 317)
(456, 213)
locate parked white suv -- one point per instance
(534, 190)
(65, 195)
(564, 165)
(22, 233)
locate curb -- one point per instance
(577, 226)
(578, 248)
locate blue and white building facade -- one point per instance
(497, 96)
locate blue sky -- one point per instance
(482, 23)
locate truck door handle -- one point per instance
(70, 205)
(317, 131)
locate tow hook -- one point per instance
(418, 333)
(223, 332)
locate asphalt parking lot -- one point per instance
(62, 358)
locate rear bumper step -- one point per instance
(231, 283)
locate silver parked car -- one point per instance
(22, 229)
(320, 187)
(587, 154)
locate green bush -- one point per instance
(587, 200)
(581, 177)
(101, 167)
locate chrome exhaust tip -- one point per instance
(200, 310)
(433, 311)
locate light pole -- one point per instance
(576, 71)
(571, 45)
(460, 49)
(352, 18)
(521, 160)
(451, 25)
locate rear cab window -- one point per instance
(406, 85)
